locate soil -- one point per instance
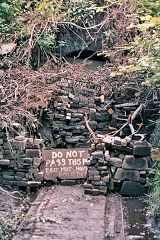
(13, 208)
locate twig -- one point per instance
(89, 128)
(11, 194)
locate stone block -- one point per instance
(4, 162)
(68, 182)
(106, 155)
(106, 179)
(8, 177)
(90, 178)
(102, 192)
(75, 121)
(33, 183)
(55, 130)
(18, 178)
(104, 173)
(74, 140)
(20, 174)
(39, 176)
(27, 160)
(143, 174)
(80, 127)
(123, 174)
(13, 164)
(68, 117)
(107, 140)
(38, 142)
(132, 189)
(59, 116)
(83, 111)
(95, 192)
(6, 145)
(27, 165)
(20, 138)
(143, 180)
(1, 141)
(141, 148)
(98, 183)
(100, 146)
(21, 145)
(8, 154)
(20, 183)
(117, 140)
(92, 114)
(93, 125)
(96, 178)
(97, 154)
(77, 115)
(33, 171)
(7, 182)
(117, 162)
(128, 139)
(74, 105)
(122, 148)
(9, 172)
(102, 125)
(88, 191)
(103, 187)
(93, 173)
(102, 168)
(87, 185)
(33, 153)
(124, 142)
(121, 156)
(130, 162)
(102, 117)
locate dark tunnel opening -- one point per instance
(89, 55)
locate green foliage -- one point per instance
(36, 21)
(81, 11)
(154, 196)
(47, 42)
(9, 11)
(49, 9)
(9, 227)
(6, 14)
(154, 185)
(147, 44)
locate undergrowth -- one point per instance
(154, 187)
(154, 195)
(13, 208)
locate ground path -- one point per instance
(65, 213)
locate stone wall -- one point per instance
(118, 164)
(63, 126)
(20, 162)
